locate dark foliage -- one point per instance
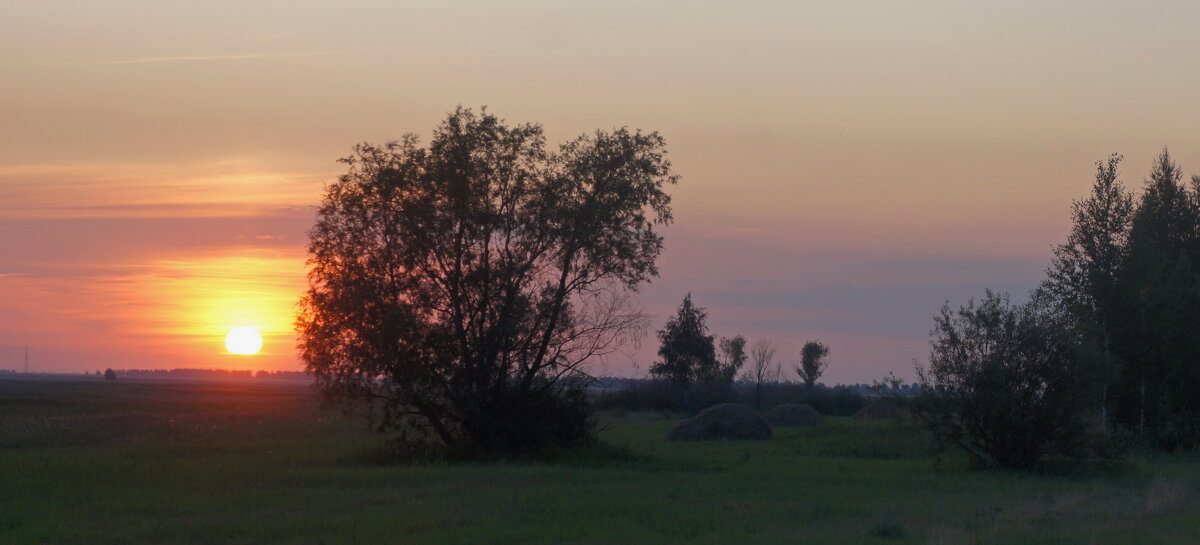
(456, 286)
(1126, 274)
(534, 422)
(1012, 384)
(686, 351)
(733, 356)
(812, 362)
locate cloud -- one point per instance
(205, 58)
(223, 188)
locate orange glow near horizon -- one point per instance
(199, 301)
(846, 167)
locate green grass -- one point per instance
(127, 462)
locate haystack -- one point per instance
(793, 415)
(724, 421)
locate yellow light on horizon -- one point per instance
(244, 341)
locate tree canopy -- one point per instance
(1126, 273)
(812, 362)
(464, 286)
(686, 351)
(1012, 384)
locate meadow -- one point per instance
(260, 462)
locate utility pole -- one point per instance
(26, 360)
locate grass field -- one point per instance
(181, 463)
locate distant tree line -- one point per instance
(208, 373)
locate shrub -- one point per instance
(1011, 384)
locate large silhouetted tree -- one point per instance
(1083, 276)
(1159, 313)
(463, 286)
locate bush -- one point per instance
(1011, 384)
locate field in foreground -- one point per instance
(144, 462)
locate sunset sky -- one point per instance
(847, 166)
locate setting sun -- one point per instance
(245, 341)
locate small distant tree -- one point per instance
(109, 374)
(1011, 384)
(686, 351)
(812, 363)
(733, 357)
(762, 369)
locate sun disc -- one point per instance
(245, 341)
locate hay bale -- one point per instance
(881, 409)
(793, 415)
(724, 421)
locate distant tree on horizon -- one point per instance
(462, 288)
(812, 362)
(762, 369)
(686, 352)
(109, 374)
(732, 357)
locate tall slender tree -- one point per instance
(763, 369)
(1083, 275)
(1126, 276)
(1159, 310)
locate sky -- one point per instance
(847, 167)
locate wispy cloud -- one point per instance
(204, 58)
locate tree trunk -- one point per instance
(1142, 410)
(1104, 392)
